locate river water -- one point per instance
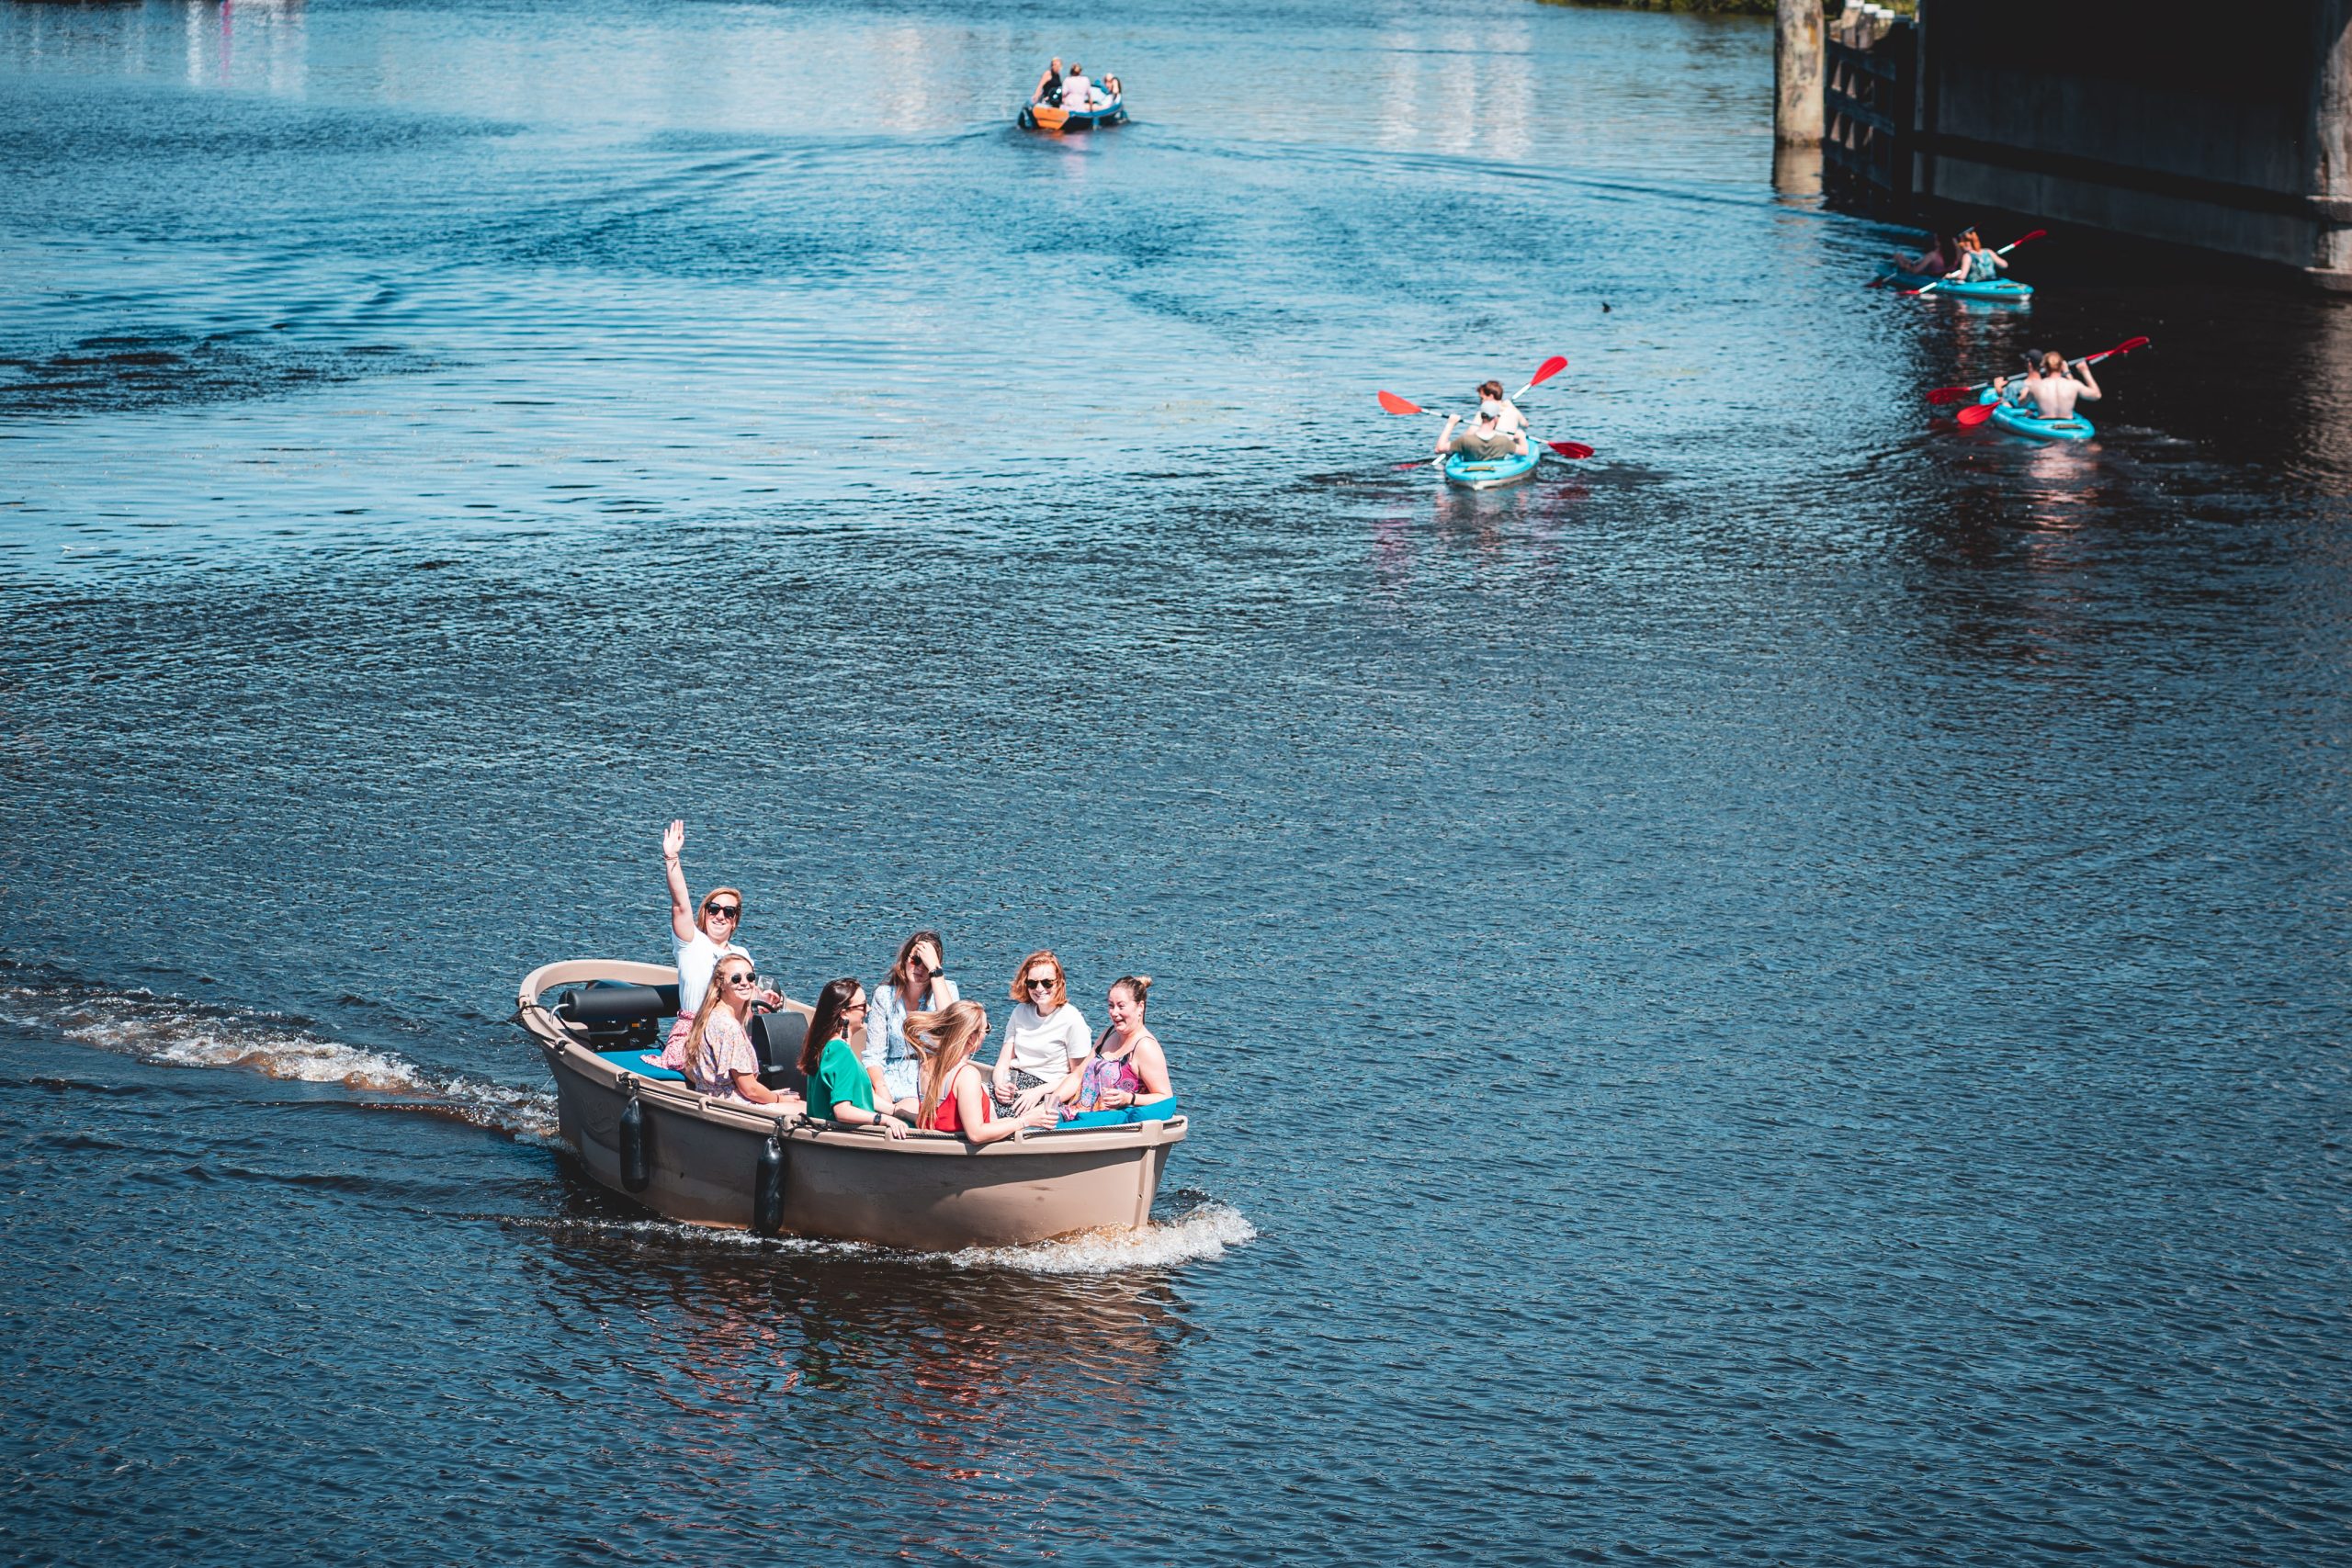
(1779, 995)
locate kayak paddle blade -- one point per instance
(1570, 449)
(1548, 370)
(1396, 404)
(1976, 415)
(1943, 395)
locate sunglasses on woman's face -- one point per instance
(741, 979)
(1044, 985)
(723, 912)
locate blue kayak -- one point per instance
(2004, 288)
(2032, 426)
(1486, 473)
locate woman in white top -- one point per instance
(720, 1061)
(915, 984)
(1077, 92)
(1044, 1039)
(701, 942)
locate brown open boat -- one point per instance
(705, 1161)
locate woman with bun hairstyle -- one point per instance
(953, 1100)
(1126, 1077)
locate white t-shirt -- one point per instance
(697, 961)
(1075, 98)
(1047, 1047)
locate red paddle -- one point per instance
(2005, 250)
(1974, 414)
(1943, 395)
(1392, 403)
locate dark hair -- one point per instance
(1491, 389)
(825, 1021)
(898, 975)
(1137, 985)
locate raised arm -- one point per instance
(681, 902)
(2090, 382)
(1446, 436)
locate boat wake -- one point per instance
(171, 1031)
(1201, 1233)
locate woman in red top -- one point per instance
(953, 1100)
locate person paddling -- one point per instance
(1976, 265)
(1490, 435)
(2053, 385)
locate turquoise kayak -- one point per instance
(2004, 288)
(2032, 426)
(1486, 473)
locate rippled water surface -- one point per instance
(1779, 995)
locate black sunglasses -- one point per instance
(1041, 985)
(728, 911)
(742, 979)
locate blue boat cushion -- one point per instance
(1126, 1115)
(645, 1064)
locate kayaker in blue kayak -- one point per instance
(1490, 435)
(1976, 265)
(1940, 256)
(2051, 385)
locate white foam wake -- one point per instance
(176, 1033)
(1203, 1232)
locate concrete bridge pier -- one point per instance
(2227, 130)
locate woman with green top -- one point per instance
(839, 1086)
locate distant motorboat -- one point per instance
(1046, 117)
(646, 1133)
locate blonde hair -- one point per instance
(1020, 992)
(712, 995)
(942, 1042)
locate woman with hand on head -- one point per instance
(721, 1062)
(1045, 1038)
(839, 1089)
(916, 985)
(1126, 1078)
(953, 1101)
(703, 939)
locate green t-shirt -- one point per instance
(839, 1076)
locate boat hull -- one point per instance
(2032, 426)
(1046, 117)
(1486, 473)
(930, 1192)
(2006, 290)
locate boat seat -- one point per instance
(644, 1063)
(776, 1036)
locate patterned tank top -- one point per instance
(1103, 1073)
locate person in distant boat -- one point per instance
(1126, 1077)
(720, 1061)
(954, 1100)
(1077, 92)
(1044, 1039)
(1975, 264)
(1940, 256)
(916, 984)
(839, 1089)
(1112, 90)
(1486, 439)
(2051, 385)
(702, 940)
(1049, 86)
